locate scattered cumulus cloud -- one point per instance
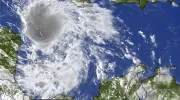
(142, 34)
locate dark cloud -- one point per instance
(43, 26)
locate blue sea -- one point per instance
(159, 19)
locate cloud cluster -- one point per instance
(42, 26)
(64, 65)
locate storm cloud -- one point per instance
(43, 26)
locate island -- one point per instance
(161, 86)
(141, 3)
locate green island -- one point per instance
(161, 86)
(9, 44)
(141, 3)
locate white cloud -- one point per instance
(142, 34)
(175, 4)
(153, 40)
(129, 42)
(153, 55)
(159, 61)
(152, 37)
(64, 64)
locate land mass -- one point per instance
(9, 44)
(161, 86)
(141, 3)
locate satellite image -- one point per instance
(89, 50)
